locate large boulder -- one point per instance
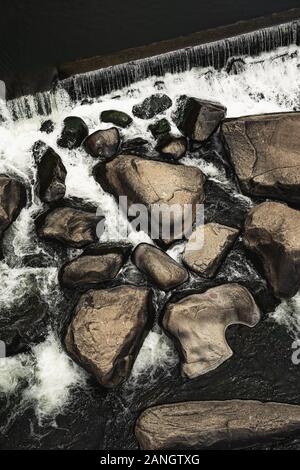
(144, 182)
(151, 106)
(51, 173)
(73, 133)
(272, 235)
(198, 119)
(103, 144)
(207, 248)
(215, 424)
(165, 272)
(95, 265)
(12, 200)
(118, 118)
(72, 227)
(107, 331)
(170, 146)
(198, 323)
(265, 152)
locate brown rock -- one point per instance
(272, 234)
(172, 147)
(218, 424)
(107, 331)
(265, 152)
(160, 267)
(198, 323)
(207, 247)
(12, 200)
(103, 144)
(95, 265)
(155, 183)
(70, 226)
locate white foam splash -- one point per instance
(288, 314)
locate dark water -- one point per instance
(35, 33)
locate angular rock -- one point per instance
(265, 152)
(207, 248)
(103, 144)
(215, 424)
(51, 173)
(165, 272)
(198, 323)
(198, 119)
(47, 126)
(159, 128)
(95, 265)
(137, 144)
(172, 147)
(151, 106)
(144, 182)
(12, 201)
(69, 226)
(107, 331)
(118, 118)
(272, 235)
(73, 133)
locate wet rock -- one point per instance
(198, 119)
(103, 144)
(165, 272)
(172, 147)
(144, 182)
(271, 234)
(151, 106)
(138, 144)
(198, 323)
(69, 226)
(159, 128)
(207, 248)
(215, 424)
(265, 152)
(118, 118)
(107, 331)
(12, 201)
(51, 173)
(95, 265)
(73, 133)
(235, 66)
(47, 126)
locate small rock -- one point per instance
(69, 226)
(207, 248)
(118, 118)
(198, 119)
(272, 235)
(107, 331)
(151, 106)
(160, 267)
(47, 126)
(135, 144)
(74, 132)
(159, 128)
(235, 66)
(198, 323)
(215, 424)
(95, 265)
(172, 147)
(103, 144)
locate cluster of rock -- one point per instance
(110, 323)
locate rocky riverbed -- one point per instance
(100, 327)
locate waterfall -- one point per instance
(101, 82)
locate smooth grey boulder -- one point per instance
(215, 424)
(272, 235)
(103, 144)
(107, 331)
(118, 118)
(144, 182)
(165, 272)
(265, 153)
(198, 119)
(172, 147)
(151, 106)
(73, 133)
(198, 323)
(51, 173)
(207, 248)
(72, 227)
(95, 265)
